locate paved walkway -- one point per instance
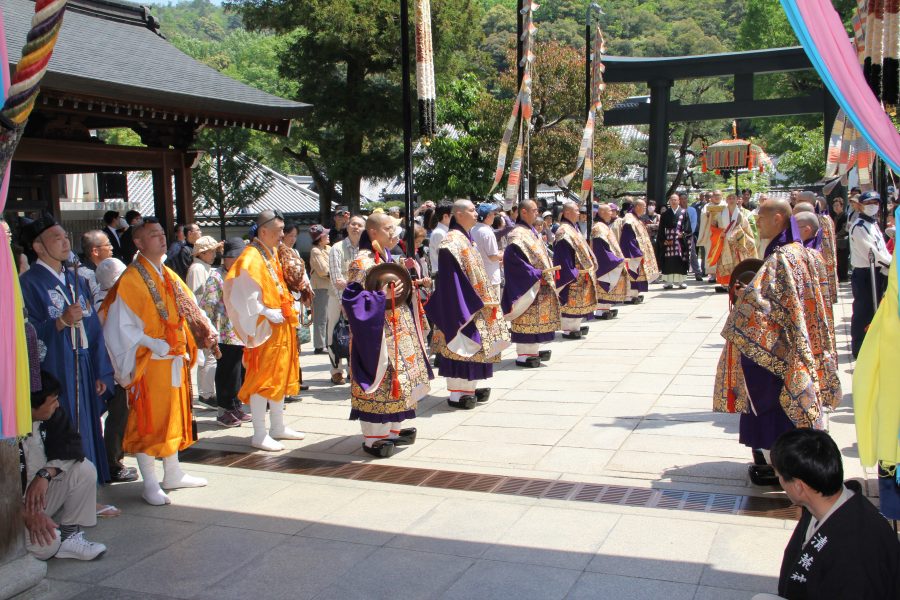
(628, 406)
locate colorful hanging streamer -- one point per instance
(19, 98)
(30, 70)
(824, 38)
(847, 150)
(425, 88)
(521, 114)
(586, 149)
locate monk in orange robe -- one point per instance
(261, 309)
(152, 351)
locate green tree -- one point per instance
(459, 161)
(227, 180)
(344, 57)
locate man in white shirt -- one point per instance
(486, 242)
(866, 241)
(442, 214)
(339, 259)
(61, 482)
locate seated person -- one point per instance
(842, 546)
(61, 483)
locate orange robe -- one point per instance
(254, 283)
(159, 388)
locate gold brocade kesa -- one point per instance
(408, 346)
(543, 314)
(618, 292)
(582, 293)
(649, 270)
(786, 330)
(489, 321)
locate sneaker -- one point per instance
(682, 286)
(667, 286)
(241, 416)
(75, 546)
(208, 403)
(227, 419)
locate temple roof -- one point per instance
(113, 53)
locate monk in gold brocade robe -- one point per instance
(737, 241)
(470, 332)
(612, 280)
(261, 308)
(389, 366)
(577, 281)
(779, 367)
(529, 299)
(638, 250)
(152, 351)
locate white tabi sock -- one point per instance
(459, 387)
(278, 430)
(174, 478)
(152, 493)
(261, 439)
(524, 351)
(570, 324)
(372, 432)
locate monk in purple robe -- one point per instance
(529, 299)
(577, 283)
(389, 367)
(469, 329)
(612, 281)
(638, 250)
(778, 368)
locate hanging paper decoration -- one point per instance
(824, 38)
(425, 88)
(847, 150)
(586, 150)
(521, 114)
(876, 32)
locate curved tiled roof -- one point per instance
(113, 50)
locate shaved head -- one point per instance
(777, 206)
(803, 207)
(808, 219)
(773, 218)
(377, 220)
(269, 218)
(528, 202)
(808, 223)
(461, 205)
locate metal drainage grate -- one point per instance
(727, 504)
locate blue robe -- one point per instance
(45, 299)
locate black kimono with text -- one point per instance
(854, 555)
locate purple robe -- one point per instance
(564, 258)
(521, 276)
(628, 242)
(452, 309)
(365, 314)
(606, 260)
(764, 387)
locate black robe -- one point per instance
(854, 555)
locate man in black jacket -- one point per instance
(842, 547)
(58, 482)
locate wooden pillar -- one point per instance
(184, 196)
(658, 150)
(53, 200)
(163, 201)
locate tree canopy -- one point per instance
(342, 56)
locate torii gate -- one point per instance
(661, 73)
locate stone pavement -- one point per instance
(629, 406)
